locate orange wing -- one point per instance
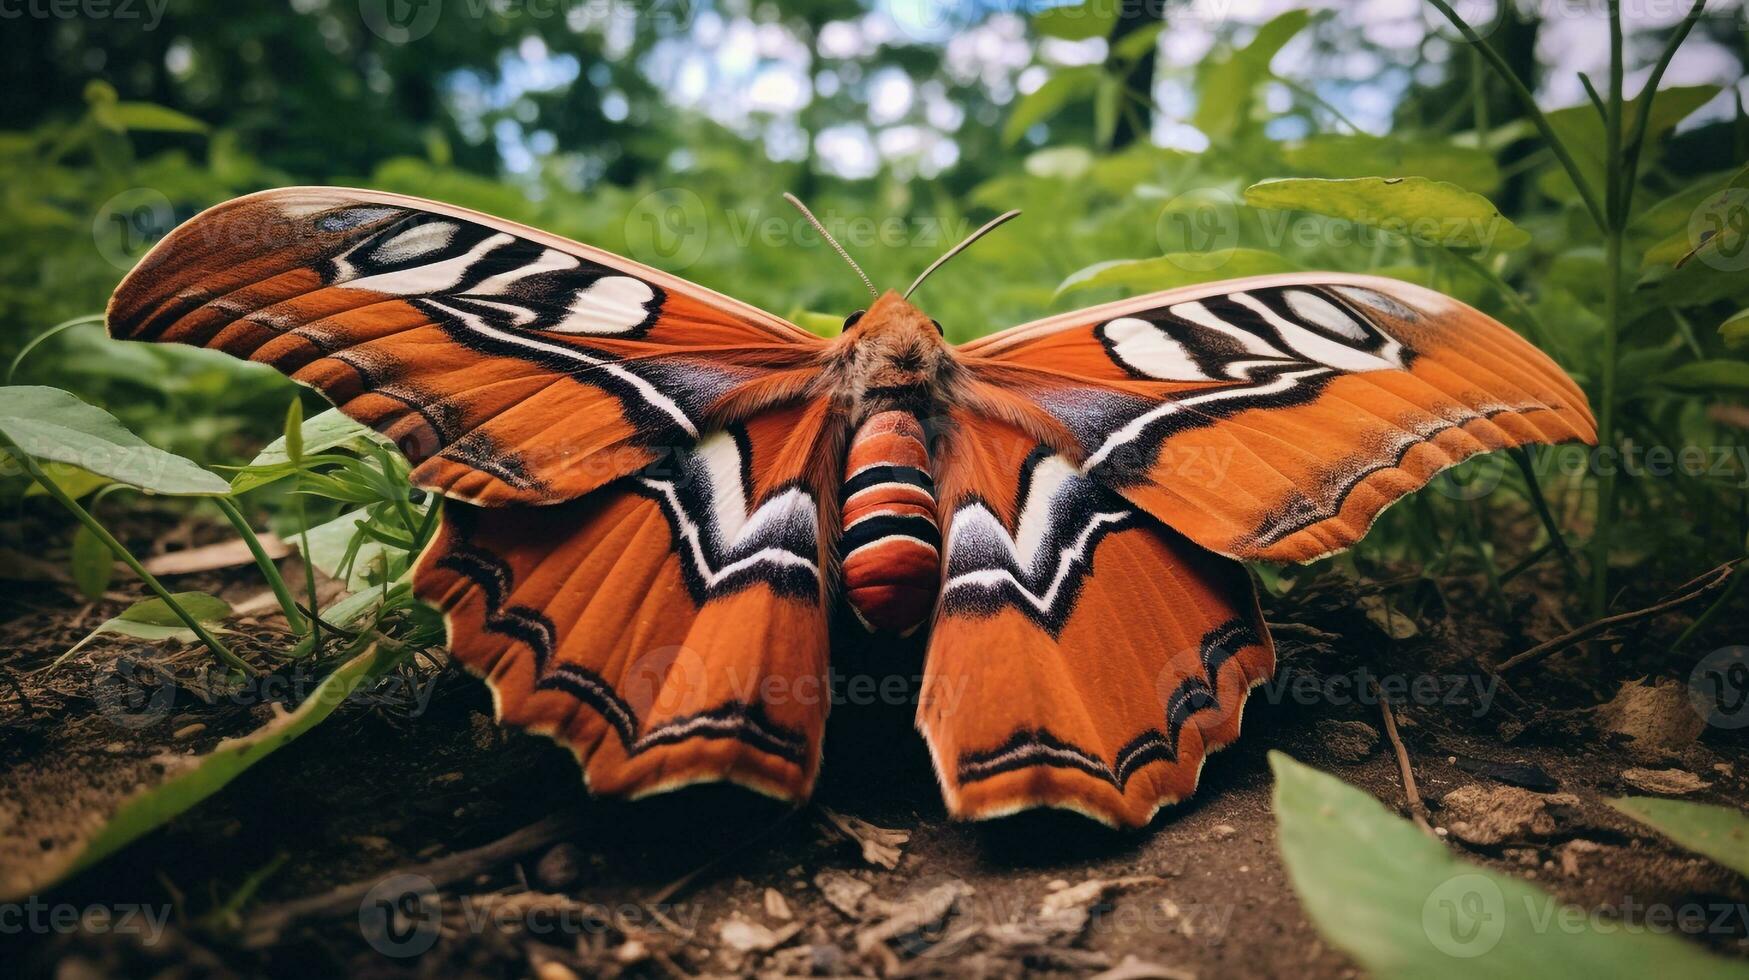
(669, 628)
(1274, 418)
(1084, 656)
(664, 614)
(512, 366)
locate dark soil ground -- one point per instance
(517, 872)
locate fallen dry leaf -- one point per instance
(880, 846)
(843, 892)
(1091, 892)
(1656, 717)
(746, 936)
(1489, 815)
(225, 554)
(913, 913)
(1664, 782)
(776, 906)
(1135, 969)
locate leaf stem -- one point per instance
(269, 570)
(121, 552)
(1531, 109)
(1612, 307)
(1540, 504)
(41, 338)
(1648, 95)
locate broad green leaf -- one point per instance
(1735, 329)
(1430, 212)
(331, 544)
(1707, 376)
(1581, 129)
(51, 424)
(188, 780)
(1402, 905)
(1175, 270)
(1225, 84)
(1718, 832)
(155, 612)
(73, 481)
(93, 564)
(332, 429)
(145, 117)
(1077, 21)
(1360, 155)
(1065, 86)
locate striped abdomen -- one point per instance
(891, 547)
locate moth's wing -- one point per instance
(512, 366)
(1084, 655)
(669, 628)
(1274, 417)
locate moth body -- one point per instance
(891, 545)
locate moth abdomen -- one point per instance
(891, 546)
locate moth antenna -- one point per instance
(803, 208)
(989, 226)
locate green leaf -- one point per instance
(1735, 329)
(1175, 270)
(1707, 376)
(1403, 906)
(331, 548)
(1138, 43)
(155, 612)
(73, 481)
(1062, 88)
(93, 566)
(1360, 155)
(1077, 21)
(332, 429)
(1430, 212)
(1106, 104)
(145, 117)
(294, 432)
(1060, 163)
(51, 424)
(1225, 85)
(1583, 133)
(191, 781)
(1718, 832)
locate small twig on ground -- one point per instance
(1312, 633)
(263, 928)
(1688, 592)
(1417, 809)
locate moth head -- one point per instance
(896, 357)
